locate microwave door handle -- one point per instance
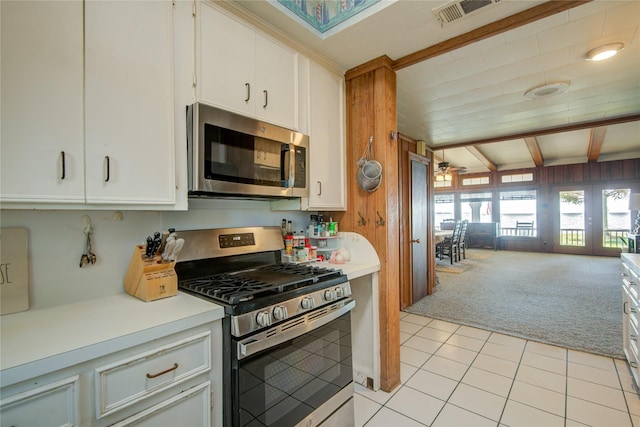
(287, 165)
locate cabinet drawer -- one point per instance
(58, 400)
(131, 380)
(189, 408)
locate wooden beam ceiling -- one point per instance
(534, 149)
(477, 152)
(525, 17)
(596, 138)
(538, 132)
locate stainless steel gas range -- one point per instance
(286, 331)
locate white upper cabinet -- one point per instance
(87, 103)
(42, 154)
(326, 118)
(129, 102)
(243, 71)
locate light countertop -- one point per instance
(34, 342)
(633, 259)
(38, 341)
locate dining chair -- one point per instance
(462, 240)
(449, 246)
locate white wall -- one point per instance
(56, 242)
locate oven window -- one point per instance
(233, 156)
(284, 384)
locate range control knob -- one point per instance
(339, 292)
(307, 303)
(263, 319)
(329, 294)
(280, 312)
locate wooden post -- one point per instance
(371, 112)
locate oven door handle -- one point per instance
(252, 346)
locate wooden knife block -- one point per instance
(150, 279)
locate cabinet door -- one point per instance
(58, 400)
(129, 102)
(226, 61)
(327, 186)
(42, 106)
(277, 83)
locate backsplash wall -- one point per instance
(56, 242)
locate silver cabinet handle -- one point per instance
(108, 164)
(248, 87)
(319, 188)
(266, 98)
(64, 167)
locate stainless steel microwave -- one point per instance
(234, 155)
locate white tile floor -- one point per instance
(455, 375)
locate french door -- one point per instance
(590, 219)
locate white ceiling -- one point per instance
(476, 93)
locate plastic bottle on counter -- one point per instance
(333, 227)
(288, 241)
(313, 226)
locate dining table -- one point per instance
(440, 235)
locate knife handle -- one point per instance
(149, 248)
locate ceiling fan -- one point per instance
(443, 173)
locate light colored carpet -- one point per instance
(573, 301)
(472, 257)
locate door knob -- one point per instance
(415, 241)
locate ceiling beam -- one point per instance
(482, 157)
(525, 17)
(534, 149)
(596, 138)
(538, 132)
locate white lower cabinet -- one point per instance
(130, 380)
(54, 404)
(189, 408)
(630, 316)
(166, 382)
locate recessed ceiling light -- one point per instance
(547, 90)
(603, 52)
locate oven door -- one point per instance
(299, 380)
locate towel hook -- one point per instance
(379, 221)
(361, 221)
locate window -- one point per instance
(481, 180)
(476, 207)
(442, 184)
(444, 208)
(519, 177)
(518, 213)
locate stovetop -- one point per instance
(256, 284)
(242, 270)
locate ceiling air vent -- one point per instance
(457, 9)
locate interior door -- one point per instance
(590, 220)
(419, 227)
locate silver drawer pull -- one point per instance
(173, 368)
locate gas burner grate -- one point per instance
(241, 286)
